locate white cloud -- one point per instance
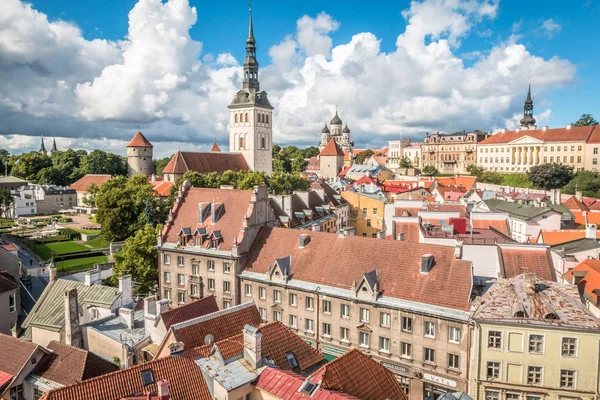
(550, 27)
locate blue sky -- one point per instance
(547, 29)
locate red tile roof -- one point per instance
(358, 375)
(189, 311)
(139, 140)
(278, 339)
(499, 225)
(332, 149)
(554, 237)
(215, 147)
(286, 384)
(84, 182)
(409, 229)
(465, 181)
(589, 271)
(9, 247)
(517, 261)
(582, 217)
(595, 136)
(205, 162)
(235, 205)
(7, 282)
(68, 365)
(549, 135)
(339, 261)
(573, 204)
(15, 354)
(163, 188)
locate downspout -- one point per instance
(478, 359)
(317, 319)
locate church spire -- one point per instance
(54, 145)
(43, 147)
(251, 65)
(528, 122)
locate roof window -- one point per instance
(147, 377)
(292, 360)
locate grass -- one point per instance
(45, 250)
(87, 231)
(98, 242)
(80, 264)
(93, 219)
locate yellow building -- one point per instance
(534, 340)
(366, 215)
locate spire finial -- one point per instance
(250, 27)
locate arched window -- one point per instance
(236, 118)
(241, 143)
(263, 143)
(267, 119)
(247, 117)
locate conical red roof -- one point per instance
(139, 140)
(215, 147)
(332, 149)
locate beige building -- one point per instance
(408, 310)
(206, 234)
(396, 152)
(534, 340)
(331, 160)
(592, 151)
(10, 303)
(451, 153)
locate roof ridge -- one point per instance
(210, 316)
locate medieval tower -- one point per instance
(139, 156)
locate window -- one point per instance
(429, 329)
(429, 355)
(327, 306)
(572, 148)
(236, 118)
(293, 321)
(166, 259)
(384, 344)
(277, 295)
(241, 143)
(276, 315)
(374, 236)
(309, 325)
(513, 396)
(564, 159)
(211, 284)
(453, 361)
(226, 286)
(364, 235)
(405, 349)
(569, 347)
(16, 393)
(374, 211)
(181, 297)
(407, 324)
(263, 313)
(494, 340)
(567, 378)
(595, 150)
(326, 329)
(293, 299)
(493, 370)
(364, 339)
(262, 292)
(578, 159)
(167, 277)
(492, 395)
(11, 303)
(248, 290)
(310, 303)
(364, 212)
(534, 375)
(180, 279)
(454, 334)
(551, 148)
(194, 290)
(180, 261)
(168, 294)
(344, 334)
(227, 267)
(536, 343)
(385, 319)
(595, 161)
(38, 393)
(368, 222)
(195, 269)
(578, 148)
(345, 310)
(364, 315)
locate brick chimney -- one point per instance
(72, 331)
(163, 389)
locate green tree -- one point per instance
(429, 170)
(550, 176)
(139, 259)
(586, 181)
(28, 165)
(4, 159)
(517, 180)
(101, 162)
(159, 165)
(298, 164)
(586, 120)
(287, 183)
(491, 177)
(91, 193)
(405, 162)
(6, 202)
(251, 179)
(363, 156)
(475, 170)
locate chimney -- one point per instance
(569, 126)
(175, 348)
(150, 306)
(162, 306)
(153, 178)
(401, 236)
(529, 283)
(52, 272)
(126, 288)
(214, 212)
(92, 278)
(72, 330)
(303, 240)
(252, 346)
(128, 316)
(163, 389)
(544, 128)
(579, 195)
(590, 231)
(458, 250)
(426, 263)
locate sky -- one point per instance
(92, 73)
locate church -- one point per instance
(250, 133)
(339, 135)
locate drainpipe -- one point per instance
(317, 319)
(478, 359)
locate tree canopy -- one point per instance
(429, 170)
(586, 120)
(550, 176)
(586, 181)
(102, 162)
(363, 156)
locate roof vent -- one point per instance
(303, 240)
(426, 263)
(569, 126)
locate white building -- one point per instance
(396, 152)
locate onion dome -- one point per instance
(336, 120)
(346, 129)
(325, 129)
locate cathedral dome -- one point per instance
(325, 129)
(346, 129)
(336, 120)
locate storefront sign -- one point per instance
(399, 369)
(333, 350)
(439, 380)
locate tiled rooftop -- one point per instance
(520, 258)
(15, 353)
(190, 310)
(588, 274)
(84, 182)
(205, 162)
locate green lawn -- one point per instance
(97, 243)
(87, 231)
(80, 264)
(45, 250)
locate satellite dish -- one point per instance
(209, 339)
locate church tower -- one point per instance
(528, 122)
(251, 115)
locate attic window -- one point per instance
(551, 316)
(147, 377)
(292, 360)
(364, 289)
(519, 314)
(308, 388)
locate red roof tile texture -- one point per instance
(215, 147)
(235, 205)
(338, 261)
(205, 162)
(573, 204)
(466, 182)
(15, 353)
(550, 135)
(518, 261)
(554, 237)
(499, 225)
(332, 149)
(189, 311)
(163, 188)
(84, 183)
(589, 271)
(358, 375)
(409, 231)
(139, 140)
(68, 365)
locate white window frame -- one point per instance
(346, 307)
(180, 261)
(364, 343)
(211, 284)
(293, 321)
(309, 325)
(364, 315)
(277, 296)
(226, 287)
(293, 299)
(382, 341)
(310, 303)
(385, 319)
(262, 292)
(327, 306)
(248, 290)
(167, 259)
(429, 329)
(452, 330)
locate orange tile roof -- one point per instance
(338, 261)
(582, 217)
(595, 136)
(554, 237)
(286, 385)
(163, 188)
(84, 182)
(358, 375)
(410, 231)
(550, 135)
(189, 311)
(332, 149)
(215, 147)
(573, 204)
(463, 181)
(590, 281)
(501, 226)
(517, 261)
(205, 162)
(139, 140)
